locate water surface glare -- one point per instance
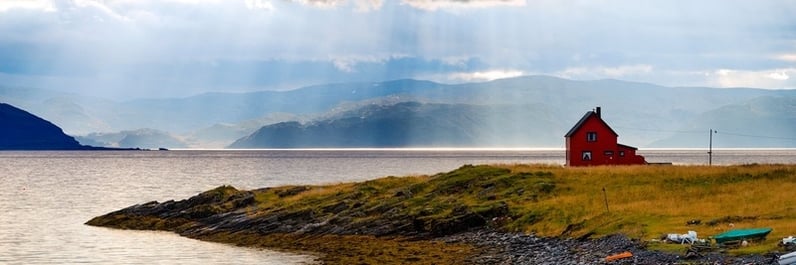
(47, 196)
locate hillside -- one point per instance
(396, 220)
(142, 138)
(760, 122)
(24, 131)
(636, 104)
(415, 124)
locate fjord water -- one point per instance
(47, 196)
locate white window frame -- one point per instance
(586, 156)
(591, 136)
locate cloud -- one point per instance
(787, 57)
(781, 75)
(102, 7)
(321, 3)
(166, 44)
(773, 78)
(369, 5)
(348, 64)
(433, 5)
(344, 65)
(191, 2)
(605, 72)
(480, 76)
(430, 5)
(41, 5)
(361, 5)
(259, 4)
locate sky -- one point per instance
(166, 48)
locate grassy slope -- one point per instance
(644, 201)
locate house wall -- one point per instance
(630, 157)
(606, 141)
(604, 151)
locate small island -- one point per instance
(494, 214)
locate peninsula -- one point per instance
(520, 214)
(22, 130)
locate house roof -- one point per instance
(626, 146)
(583, 120)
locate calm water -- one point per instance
(45, 197)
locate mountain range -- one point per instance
(414, 124)
(141, 138)
(531, 111)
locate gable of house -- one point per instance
(587, 119)
(593, 142)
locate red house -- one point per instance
(591, 142)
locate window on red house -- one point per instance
(586, 156)
(591, 136)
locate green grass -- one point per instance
(647, 201)
(644, 201)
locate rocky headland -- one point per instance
(21, 130)
(473, 215)
(24, 131)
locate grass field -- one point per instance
(642, 201)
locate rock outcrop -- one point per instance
(20, 130)
(226, 209)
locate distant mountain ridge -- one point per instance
(760, 122)
(142, 138)
(20, 130)
(643, 114)
(414, 124)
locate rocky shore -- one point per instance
(466, 216)
(222, 211)
(519, 249)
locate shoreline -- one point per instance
(521, 214)
(481, 246)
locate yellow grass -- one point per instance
(643, 202)
(647, 201)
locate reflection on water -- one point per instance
(45, 197)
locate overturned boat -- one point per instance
(749, 234)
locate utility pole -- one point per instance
(710, 148)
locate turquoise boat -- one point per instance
(749, 234)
